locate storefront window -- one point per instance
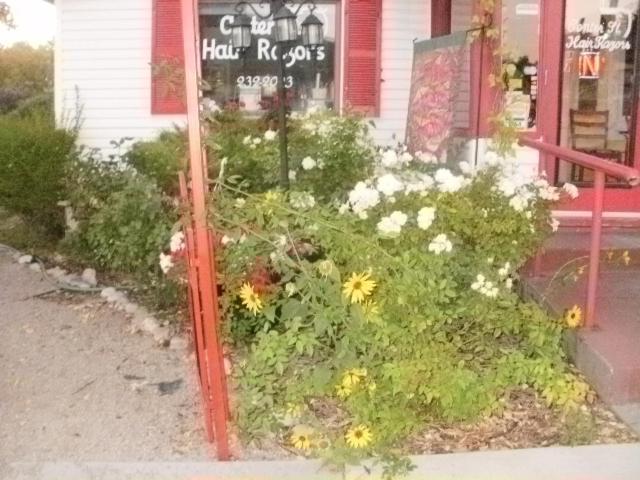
(598, 92)
(521, 47)
(250, 83)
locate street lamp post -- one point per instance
(286, 32)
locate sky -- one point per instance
(35, 22)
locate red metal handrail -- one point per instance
(622, 172)
(602, 168)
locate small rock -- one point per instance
(108, 292)
(56, 272)
(162, 336)
(150, 324)
(35, 267)
(114, 296)
(130, 307)
(178, 343)
(89, 276)
(74, 281)
(25, 259)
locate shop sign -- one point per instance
(264, 49)
(608, 35)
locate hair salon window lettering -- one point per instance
(610, 33)
(250, 83)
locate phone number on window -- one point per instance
(263, 81)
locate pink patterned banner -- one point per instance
(437, 67)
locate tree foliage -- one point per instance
(5, 15)
(25, 72)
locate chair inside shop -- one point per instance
(590, 134)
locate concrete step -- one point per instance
(609, 356)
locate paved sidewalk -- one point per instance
(76, 385)
(617, 462)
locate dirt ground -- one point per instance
(76, 385)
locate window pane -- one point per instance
(598, 81)
(521, 47)
(251, 83)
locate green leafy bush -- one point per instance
(34, 160)
(124, 217)
(160, 159)
(327, 153)
(360, 324)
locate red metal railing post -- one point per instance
(602, 168)
(596, 243)
(202, 247)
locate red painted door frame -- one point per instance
(549, 112)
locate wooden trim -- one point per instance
(549, 83)
(440, 18)
(338, 58)
(483, 97)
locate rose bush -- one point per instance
(358, 322)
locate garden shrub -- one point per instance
(37, 106)
(361, 323)
(123, 216)
(327, 153)
(34, 160)
(160, 159)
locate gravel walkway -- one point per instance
(76, 385)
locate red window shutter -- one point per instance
(363, 34)
(167, 59)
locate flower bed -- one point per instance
(359, 316)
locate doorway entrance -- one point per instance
(590, 64)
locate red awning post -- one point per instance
(201, 254)
(596, 243)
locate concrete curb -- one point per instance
(597, 462)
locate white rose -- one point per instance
(308, 163)
(388, 184)
(389, 158)
(166, 263)
(440, 244)
(388, 227)
(177, 242)
(571, 190)
(426, 216)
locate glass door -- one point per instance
(598, 88)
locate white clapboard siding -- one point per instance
(103, 55)
(402, 23)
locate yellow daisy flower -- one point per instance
(250, 299)
(301, 438)
(353, 377)
(358, 437)
(573, 317)
(272, 196)
(342, 391)
(358, 287)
